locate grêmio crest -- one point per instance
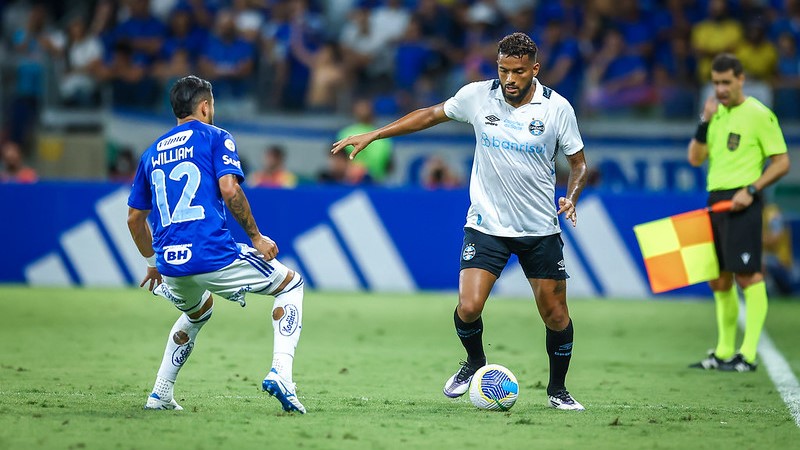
(733, 141)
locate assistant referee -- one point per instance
(737, 135)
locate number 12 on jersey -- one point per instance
(184, 210)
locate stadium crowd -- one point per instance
(604, 56)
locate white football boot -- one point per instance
(563, 400)
(284, 391)
(155, 402)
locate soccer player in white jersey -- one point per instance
(181, 183)
(519, 126)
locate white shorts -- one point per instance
(249, 273)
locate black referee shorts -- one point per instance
(737, 235)
(539, 256)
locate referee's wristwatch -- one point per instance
(752, 190)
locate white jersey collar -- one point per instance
(538, 93)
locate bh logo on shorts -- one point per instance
(469, 252)
(177, 254)
(536, 127)
(290, 321)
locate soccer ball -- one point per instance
(494, 387)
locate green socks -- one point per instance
(727, 311)
(755, 298)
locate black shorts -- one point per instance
(539, 256)
(737, 235)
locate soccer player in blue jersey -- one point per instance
(181, 184)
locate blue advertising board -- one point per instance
(340, 238)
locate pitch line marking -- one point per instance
(779, 371)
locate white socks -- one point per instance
(287, 315)
(179, 346)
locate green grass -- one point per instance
(77, 364)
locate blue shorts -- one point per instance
(540, 256)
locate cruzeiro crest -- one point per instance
(536, 127)
(733, 141)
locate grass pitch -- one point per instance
(77, 364)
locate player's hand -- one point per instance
(266, 247)
(741, 200)
(153, 277)
(710, 108)
(565, 205)
(359, 142)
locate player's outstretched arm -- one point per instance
(411, 122)
(140, 232)
(238, 205)
(575, 185)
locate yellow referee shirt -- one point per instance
(740, 139)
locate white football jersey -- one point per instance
(512, 190)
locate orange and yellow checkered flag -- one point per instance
(679, 250)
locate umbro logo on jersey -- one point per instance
(491, 119)
(562, 265)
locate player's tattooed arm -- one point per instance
(238, 205)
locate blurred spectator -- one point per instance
(637, 30)
(83, 59)
(13, 168)
(436, 174)
(674, 78)
(183, 34)
(287, 77)
(364, 49)
(228, 60)
(341, 170)
(412, 60)
(778, 261)
(788, 22)
(248, 15)
(273, 173)
(328, 79)
(390, 20)
(376, 159)
(123, 169)
(131, 84)
(717, 34)
(141, 31)
(759, 56)
(787, 82)
(560, 57)
(616, 79)
(31, 46)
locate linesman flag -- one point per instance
(679, 250)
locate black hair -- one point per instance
(725, 62)
(187, 93)
(518, 45)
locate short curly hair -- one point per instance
(518, 45)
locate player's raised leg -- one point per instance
(180, 344)
(287, 317)
(551, 300)
(474, 286)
